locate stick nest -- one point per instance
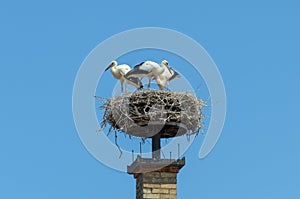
(147, 113)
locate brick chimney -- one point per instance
(156, 178)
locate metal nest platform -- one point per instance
(143, 165)
(145, 114)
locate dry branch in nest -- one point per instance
(147, 113)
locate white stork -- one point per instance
(119, 71)
(163, 79)
(147, 69)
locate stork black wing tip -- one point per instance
(139, 64)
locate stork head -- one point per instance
(112, 64)
(166, 64)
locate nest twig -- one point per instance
(139, 113)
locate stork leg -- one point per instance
(149, 83)
(122, 89)
(126, 87)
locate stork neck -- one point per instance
(161, 79)
(166, 68)
(113, 69)
(161, 70)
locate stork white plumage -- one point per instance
(169, 74)
(147, 69)
(119, 71)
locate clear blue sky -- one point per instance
(254, 44)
